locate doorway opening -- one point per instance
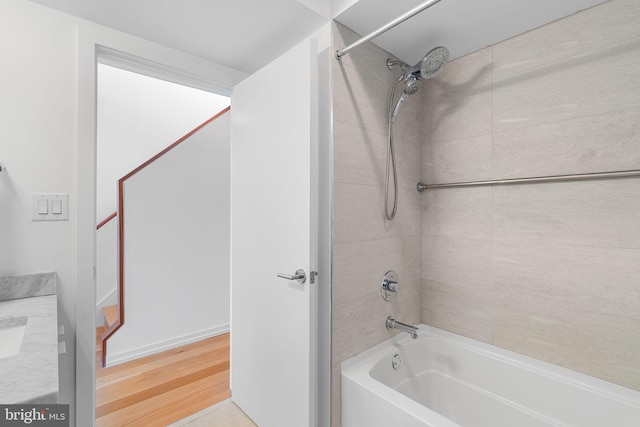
(176, 237)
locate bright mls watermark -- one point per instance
(34, 415)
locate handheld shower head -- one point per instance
(412, 84)
(429, 66)
(397, 107)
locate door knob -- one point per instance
(299, 276)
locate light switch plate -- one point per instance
(59, 200)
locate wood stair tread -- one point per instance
(110, 315)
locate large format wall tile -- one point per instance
(459, 212)
(359, 214)
(460, 114)
(597, 344)
(361, 158)
(359, 266)
(458, 102)
(458, 262)
(594, 83)
(458, 160)
(457, 293)
(573, 305)
(601, 143)
(472, 74)
(596, 28)
(465, 310)
(551, 270)
(365, 244)
(360, 100)
(596, 212)
(578, 279)
(358, 325)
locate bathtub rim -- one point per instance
(358, 369)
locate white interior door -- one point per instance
(273, 327)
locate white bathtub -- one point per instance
(448, 380)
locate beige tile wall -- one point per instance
(365, 245)
(549, 270)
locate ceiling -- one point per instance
(241, 34)
(248, 34)
(463, 26)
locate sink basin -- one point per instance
(11, 334)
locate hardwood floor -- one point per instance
(163, 388)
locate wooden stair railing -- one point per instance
(106, 220)
(111, 326)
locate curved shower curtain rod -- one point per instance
(399, 20)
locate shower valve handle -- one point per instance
(389, 286)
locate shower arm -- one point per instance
(399, 20)
(397, 63)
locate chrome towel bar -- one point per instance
(553, 178)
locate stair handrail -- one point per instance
(106, 220)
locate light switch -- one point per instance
(56, 206)
(43, 206)
(49, 206)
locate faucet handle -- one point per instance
(389, 286)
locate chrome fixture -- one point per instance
(554, 178)
(399, 20)
(392, 323)
(396, 360)
(299, 276)
(428, 67)
(389, 286)
(2, 168)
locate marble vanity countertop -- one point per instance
(31, 376)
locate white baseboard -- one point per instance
(116, 359)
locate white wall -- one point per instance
(106, 267)
(37, 144)
(47, 129)
(138, 116)
(176, 284)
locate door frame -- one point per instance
(96, 43)
(99, 44)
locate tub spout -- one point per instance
(392, 323)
